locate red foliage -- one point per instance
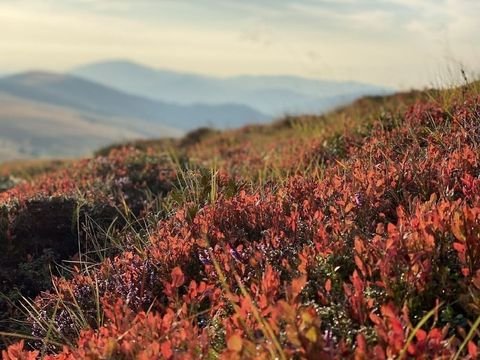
(341, 267)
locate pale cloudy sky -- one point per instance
(400, 43)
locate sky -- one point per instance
(397, 43)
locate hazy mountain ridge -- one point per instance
(47, 114)
(86, 95)
(274, 95)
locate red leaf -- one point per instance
(472, 349)
(459, 247)
(349, 207)
(177, 277)
(234, 343)
(377, 320)
(421, 335)
(361, 350)
(359, 247)
(298, 284)
(328, 285)
(166, 349)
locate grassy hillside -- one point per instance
(351, 235)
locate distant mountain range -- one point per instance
(58, 115)
(273, 95)
(45, 114)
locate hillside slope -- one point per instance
(351, 235)
(33, 129)
(45, 114)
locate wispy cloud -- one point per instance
(384, 41)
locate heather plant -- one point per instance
(80, 213)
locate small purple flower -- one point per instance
(122, 182)
(235, 254)
(359, 198)
(204, 257)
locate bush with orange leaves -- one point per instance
(378, 258)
